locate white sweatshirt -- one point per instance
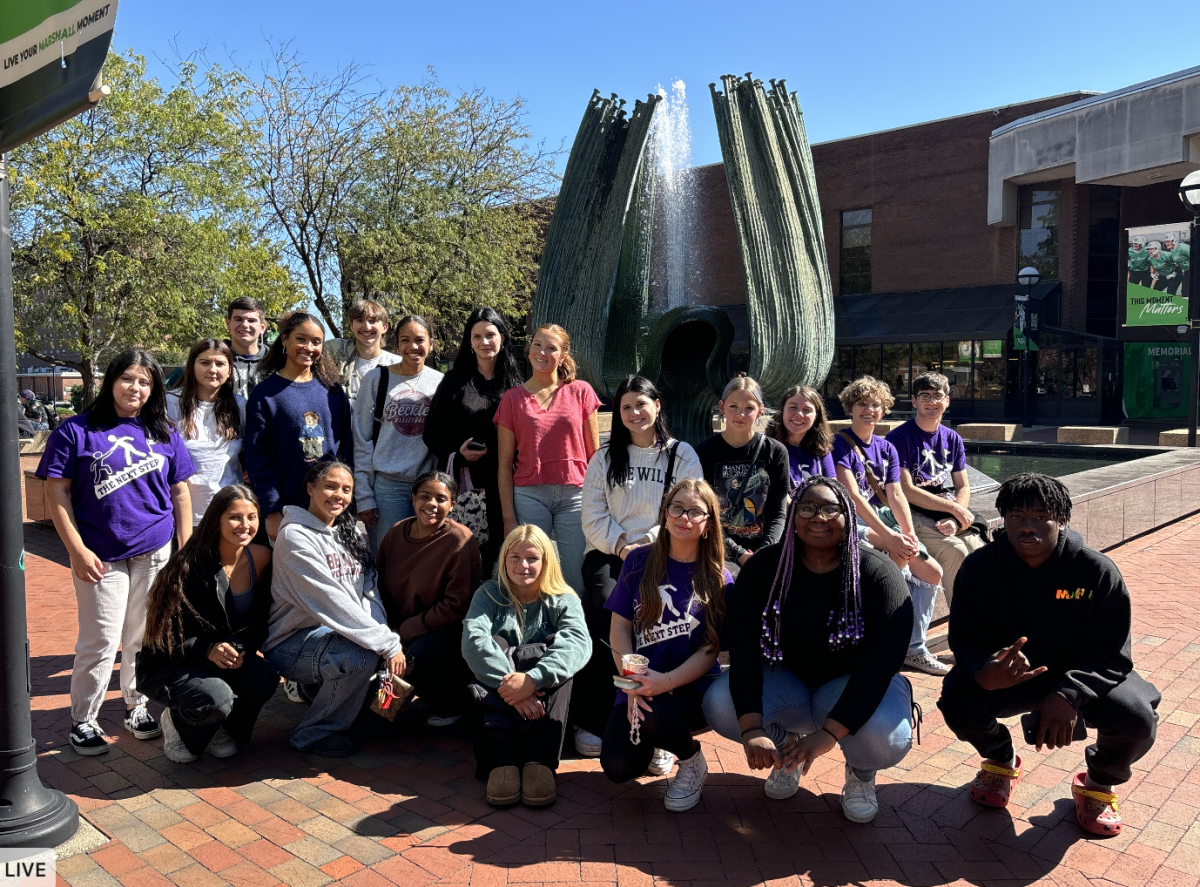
(628, 513)
(317, 582)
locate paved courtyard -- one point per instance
(406, 810)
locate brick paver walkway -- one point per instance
(407, 810)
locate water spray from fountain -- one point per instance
(671, 152)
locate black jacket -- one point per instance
(465, 406)
(213, 622)
(1074, 609)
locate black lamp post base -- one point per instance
(37, 816)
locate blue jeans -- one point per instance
(335, 673)
(393, 499)
(556, 509)
(924, 598)
(790, 706)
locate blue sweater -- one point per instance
(290, 426)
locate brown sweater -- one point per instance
(427, 584)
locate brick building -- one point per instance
(927, 225)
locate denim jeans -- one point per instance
(336, 674)
(924, 598)
(557, 509)
(393, 499)
(790, 706)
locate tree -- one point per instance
(132, 224)
(314, 141)
(450, 210)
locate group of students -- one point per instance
(359, 524)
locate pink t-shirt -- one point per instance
(550, 443)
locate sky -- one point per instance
(856, 67)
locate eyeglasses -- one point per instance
(808, 511)
(931, 397)
(695, 515)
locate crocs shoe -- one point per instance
(1095, 809)
(994, 783)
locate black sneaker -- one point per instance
(88, 739)
(139, 722)
(336, 745)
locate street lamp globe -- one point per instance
(1189, 192)
(1029, 276)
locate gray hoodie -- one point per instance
(317, 582)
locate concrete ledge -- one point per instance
(1176, 437)
(1085, 434)
(605, 420)
(35, 497)
(36, 445)
(989, 431)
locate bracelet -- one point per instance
(830, 732)
(752, 729)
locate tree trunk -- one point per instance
(87, 369)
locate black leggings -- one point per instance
(592, 699)
(667, 726)
(440, 674)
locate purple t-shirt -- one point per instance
(680, 629)
(931, 457)
(120, 483)
(881, 456)
(802, 465)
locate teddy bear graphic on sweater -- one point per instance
(312, 437)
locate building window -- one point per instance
(1039, 230)
(1104, 265)
(855, 274)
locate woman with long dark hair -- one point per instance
(623, 494)
(547, 431)
(205, 622)
(461, 424)
(297, 415)
(818, 630)
(116, 486)
(669, 606)
(802, 426)
(328, 630)
(210, 417)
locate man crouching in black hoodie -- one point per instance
(1040, 623)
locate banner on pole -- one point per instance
(1157, 275)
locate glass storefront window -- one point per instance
(926, 358)
(841, 373)
(1086, 360)
(866, 361)
(956, 366)
(990, 371)
(896, 370)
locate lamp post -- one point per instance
(1189, 193)
(1027, 277)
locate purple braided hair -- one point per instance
(845, 627)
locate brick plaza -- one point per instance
(406, 810)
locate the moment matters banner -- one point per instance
(1158, 275)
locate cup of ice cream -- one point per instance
(634, 663)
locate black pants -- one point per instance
(669, 726)
(440, 674)
(490, 550)
(504, 738)
(592, 699)
(203, 699)
(1125, 719)
(1141, 278)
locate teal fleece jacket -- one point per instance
(492, 615)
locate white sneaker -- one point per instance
(173, 746)
(661, 763)
(223, 745)
(926, 662)
(587, 744)
(858, 798)
(781, 785)
(291, 690)
(684, 791)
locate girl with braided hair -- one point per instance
(328, 629)
(818, 628)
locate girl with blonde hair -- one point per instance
(669, 606)
(524, 639)
(547, 430)
(747, 470)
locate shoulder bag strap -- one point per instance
(669, 477)
(380, 402)
(872, 480)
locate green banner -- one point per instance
(1147, 307)
(1022, 342)
(1157, 380)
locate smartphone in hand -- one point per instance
(1031, 721)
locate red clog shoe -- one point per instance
(994, 783)
(1096, 810)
